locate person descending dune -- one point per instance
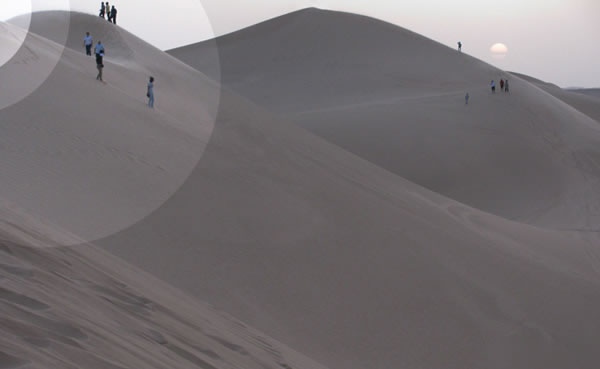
(493, 86)
(99, 60)
(150, 93)
(506, 86)
(88, 40)
(459, 47)
(467, 97)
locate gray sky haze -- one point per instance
(554, 40)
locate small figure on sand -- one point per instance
(467, 97)
(99, 60)
(87, 42)
(459, 47)
(113, 14)
(493, 85)
(102, 10)
(501, 84)
(150, 93)
(107, 11)
(506, 86)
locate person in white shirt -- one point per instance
(88, 41)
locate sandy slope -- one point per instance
(63, 307)
(396, 99)
(338, 258)
(90, 156)
(582, 100)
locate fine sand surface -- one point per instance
(92, 157)
(79, 307)
(583, 100)
(340, 259)
(396, 99)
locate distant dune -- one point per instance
(396, 99)
(341, 258)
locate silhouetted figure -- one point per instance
(113, 14)
(150, 93)
(459, 47)
(102, 10)
(87, 42)
(493, 85)
(467, 97)
(107, 11)
(506, 86)
(501, 84)
(99, 59)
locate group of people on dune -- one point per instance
(111, 13)
(99, 51)
(503, 83)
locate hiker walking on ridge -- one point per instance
(493, 85)
(102, 10)
(150, 93)
(87, 42)
(113, 14)
(99, 60)
(459, 47)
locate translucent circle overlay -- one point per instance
(82, 159)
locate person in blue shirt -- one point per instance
(102, 10)
(88, 41)
(150, 93)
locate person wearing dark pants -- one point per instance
(88, 41)
(99, 60)
(113, 14)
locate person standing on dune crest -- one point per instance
(113, 14)
(102, 10)
(150, 93)
(107, 11)
(459, 47)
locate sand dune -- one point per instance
(582, 100)
(91, 156)
(340, 259)
(396, 99)
(79, 307)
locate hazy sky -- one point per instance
(555, 40)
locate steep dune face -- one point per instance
(92, 157)
(79, 307)
(397, 99)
